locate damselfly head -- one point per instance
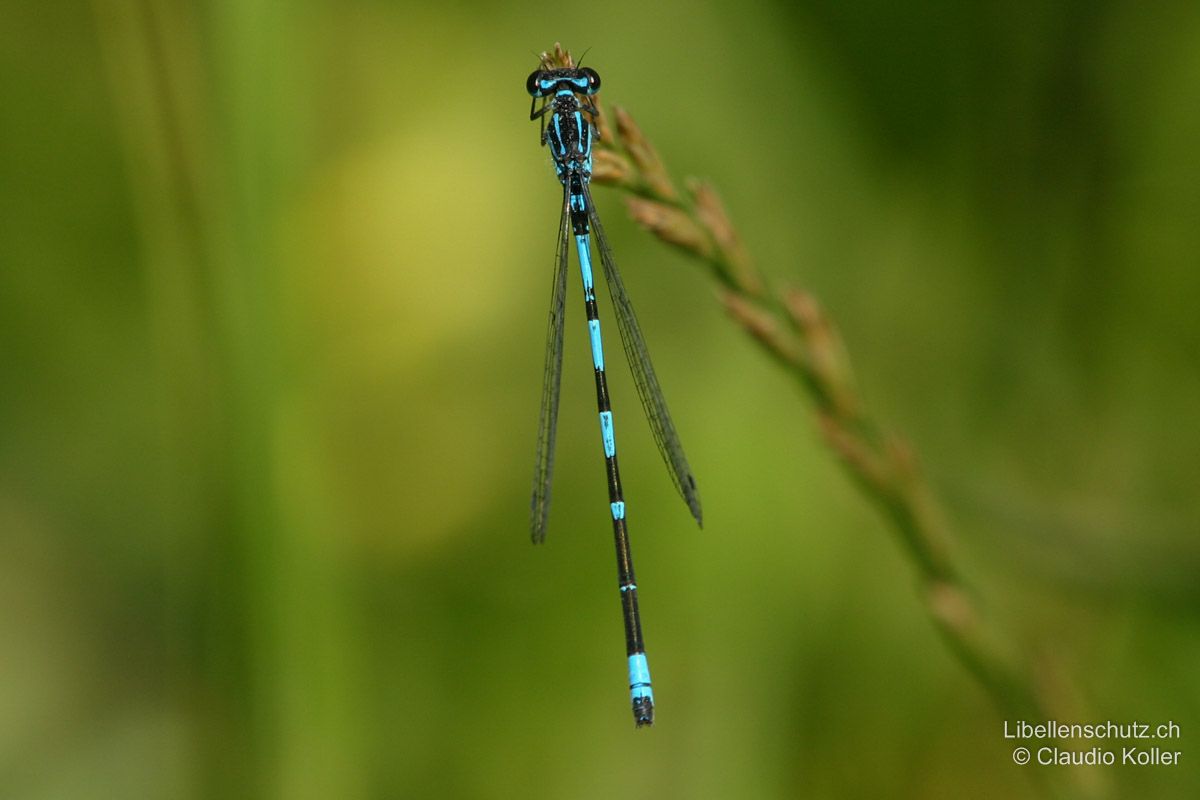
(545, 82)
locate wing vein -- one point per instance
(638, 356)
(539, 507)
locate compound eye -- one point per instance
(593, 79)
(532, 83)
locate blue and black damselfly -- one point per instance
(569, 131)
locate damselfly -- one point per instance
(569, 131)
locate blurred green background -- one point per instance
(273, 284)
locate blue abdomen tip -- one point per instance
(639, 675)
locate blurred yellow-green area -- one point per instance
(273, 295)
